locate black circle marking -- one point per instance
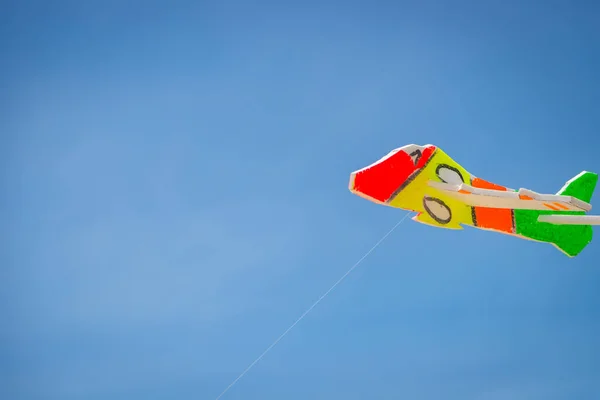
(432, 214)
(451, 168)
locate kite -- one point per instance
(425, 180)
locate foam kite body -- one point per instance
(424, 179)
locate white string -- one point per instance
(313, 306)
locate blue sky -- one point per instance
(175, 196)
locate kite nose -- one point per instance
(380, 181)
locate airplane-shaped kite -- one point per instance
(426, 180)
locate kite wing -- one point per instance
(523, 199)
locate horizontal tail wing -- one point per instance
(568, 219)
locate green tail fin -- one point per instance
(570, 239)
(581, 186)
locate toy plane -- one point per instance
(427, 181)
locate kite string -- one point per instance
(313, 305)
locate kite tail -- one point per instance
(571, 240)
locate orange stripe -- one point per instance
(559, 205)
(523, 197)
(499, 219)
(550, 206)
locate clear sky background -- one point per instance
(175, 195)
